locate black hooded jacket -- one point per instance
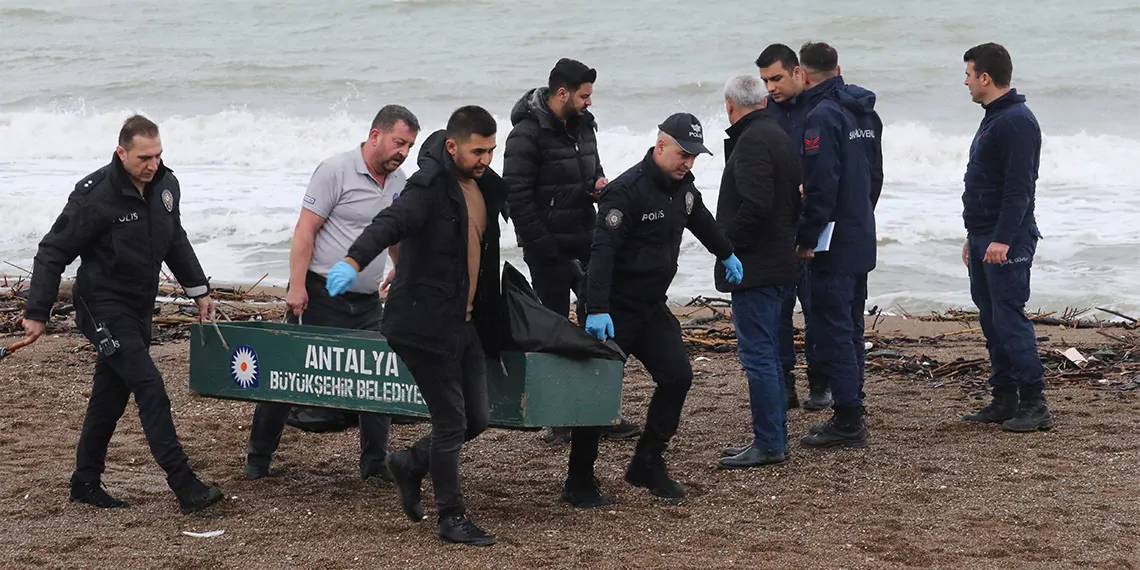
(427, 302)
(550, 167)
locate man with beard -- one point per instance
(345, 192)
(442, 313)
(554, 174)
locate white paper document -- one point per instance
(825, 238)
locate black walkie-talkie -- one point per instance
(106, 344)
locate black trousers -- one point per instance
(553, 278)
(653, 335)
(349, 311)
(455, 391)
(129, 371)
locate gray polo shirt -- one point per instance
(345, 194)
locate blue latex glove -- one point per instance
(340, 278)
(734, 271)
(601, 326)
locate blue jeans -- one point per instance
(1000, 292)
(787, 330)
(756, 316)
(838, 302)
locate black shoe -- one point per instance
(845, 429)
(585, 495)
(195, 495)
(818, 427)
(818, 399)
(648, 471)
(460, 530)
(376, 473)
(255, 471)
(1003, 407)
(1032, 415)
(751, 457)
(623, 430)
(556, 436)
(407, 485)
(790, 390)
(734, 450)
(93, 493)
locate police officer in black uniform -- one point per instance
(641, 217)
(123, 221)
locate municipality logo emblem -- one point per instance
(243, 367)
(168, 200)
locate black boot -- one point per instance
(584, 494)
(625, 429)
(93, 493)
(819, 393)
(647, 470)
(194, 495)
(790, 390)
(376, 473)
(556, 436)
(845, 429)
(460, 530)
(408, 484)
(1032, 414)
(1003, 407)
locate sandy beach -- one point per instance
(930, 491)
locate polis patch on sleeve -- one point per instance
(168, 200)
(688, 203)
(613, 219)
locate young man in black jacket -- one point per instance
(1001, 179)
(442, 312)
(553, 175)
(757, 208)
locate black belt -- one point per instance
(319, 280)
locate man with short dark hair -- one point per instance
(842, 180)
(442, 312)
(554, 174)
(345, 192)
(999, 197)
(642, 216)
(123, 221)
(784, 79)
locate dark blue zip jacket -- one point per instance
(791, 115)
(839, 187)
(1001, 176)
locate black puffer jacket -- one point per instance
(427, 304)
(550, 167)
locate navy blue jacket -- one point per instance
(791, 115)
(1001, 176)
(641, 217)
(838, 183)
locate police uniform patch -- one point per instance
(688, 203)
(168, 200)
(811, 142)
(613, 219)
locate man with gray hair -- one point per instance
(757, 208)
(345, 192)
